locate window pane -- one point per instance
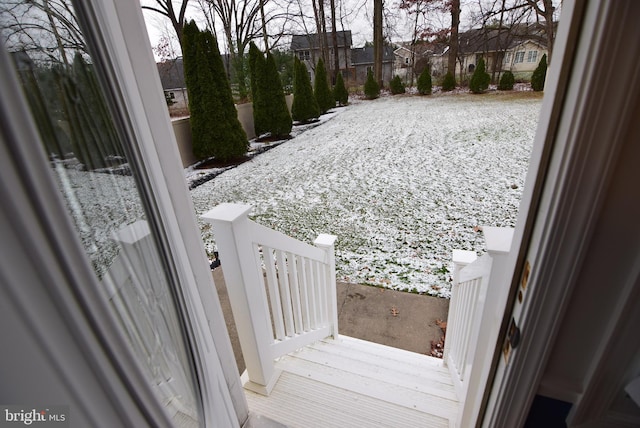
(97, 182)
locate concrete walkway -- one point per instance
(393, 318)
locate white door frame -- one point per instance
(119, 42)
(592, 87)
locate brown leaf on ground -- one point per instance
(394, 311)
(437, 348)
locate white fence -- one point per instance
(282, 291)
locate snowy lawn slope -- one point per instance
(402, 181)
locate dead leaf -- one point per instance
(394, 311)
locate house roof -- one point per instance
(364, 55)
(312, 41)
(421, 48)
(171, 72)
(494, 39)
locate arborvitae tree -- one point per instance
(506, 81)
(279, 120)
(424, 82)
(340, 92)
(261, 102)
(371, 88)
(321, 89)
(396, 85)
(449, 82)
(480, 79)
(254, 52)
(215, 128)
(305, 107)
(539, 75)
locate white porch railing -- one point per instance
(282, 291)
(474, 317)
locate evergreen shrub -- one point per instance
(506, 81)
(396, 85)
(480, 79)
(371, 87)
(340, 92)
(305, 107)
(449, 82)
(539, 75)
(321, 89)
(216, 131)
(424, 82)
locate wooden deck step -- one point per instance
(350, 382)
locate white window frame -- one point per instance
(518, 57)
(532, 56)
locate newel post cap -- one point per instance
(227, 212)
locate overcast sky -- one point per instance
(358, 17)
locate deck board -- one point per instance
(358, 384)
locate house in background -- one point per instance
(171, 74)
(362, 62)
(517, 49)
(413, 58)
(567, 348)
(307, 48)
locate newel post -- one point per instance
(327, 243)
(461, 258)
(247, 296)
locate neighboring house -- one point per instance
(171, 74)
(517, 49)
(412, 58)
(307, 48)
(567, 347)
(362, 62)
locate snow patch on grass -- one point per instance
(402, 181)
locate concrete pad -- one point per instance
(393, 318)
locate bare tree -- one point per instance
(545, 9)
(47, 30)
(167, 9)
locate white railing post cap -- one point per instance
(324, 240)
(227, 212)
(498, 239)
(464, 256)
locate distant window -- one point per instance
(407, 60)
(304, 55)
(507, 58)
(472, 68)
(519, 57)
(172, 95)
(532, 56)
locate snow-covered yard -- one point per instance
(402, 181)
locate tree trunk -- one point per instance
(453, 42)
(377, 41)
(334, 36)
